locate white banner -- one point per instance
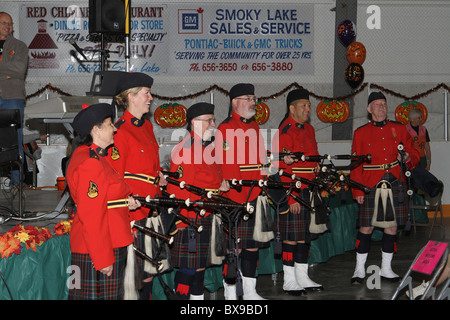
(175, 39)
(237, 39)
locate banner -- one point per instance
(174, 39)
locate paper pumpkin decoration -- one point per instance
(402, 111)
(333, 111)
(262, 113)
(170, 115)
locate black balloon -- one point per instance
(346, 32)
(354, 75)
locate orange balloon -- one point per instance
(356, 53)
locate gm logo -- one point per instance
(190, 21)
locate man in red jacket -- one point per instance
(295, 134)
(386, 204)
(240, 148)
(192, 252)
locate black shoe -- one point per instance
(357, 280)
(316, 289)
(393, 280)
(295, 293)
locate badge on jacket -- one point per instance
(226, 146)
(115, 155)
(93, 190)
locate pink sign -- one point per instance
(429, 257)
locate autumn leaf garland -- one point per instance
(31, 236)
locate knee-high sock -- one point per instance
(145, 293)
(389, 244)
(249, 263)
(198, 283)
(288, 254)
(183, 282)
(363, 242)
(302, 253)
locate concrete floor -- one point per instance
(334, 275)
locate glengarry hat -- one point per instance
(297, 94)
(91, 115)
(199, 109)
(241, 89)
(133, 80)
(375, 96)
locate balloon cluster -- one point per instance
(356, 53)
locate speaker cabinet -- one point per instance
(9, 147)
(107, 16)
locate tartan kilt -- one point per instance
(245, 230)
(179, 252)
(366, 210)
(294, 227)
(95, 285)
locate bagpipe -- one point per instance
(405, 168)
(278, 191)
(417, 178)
(327, 174)
(209, 201)
(153, 233)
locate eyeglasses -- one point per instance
(248, 99)
(211, 120)
(6, 23)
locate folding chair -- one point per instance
(430, 290)
(431, 204)
(445, 292)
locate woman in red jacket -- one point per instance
(136, 157)
(101, 229)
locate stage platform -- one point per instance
(332, 256)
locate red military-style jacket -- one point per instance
(195, 159)
(240, 149)
(380, 140)
(135, 155)
(97, 229)
(295, 137)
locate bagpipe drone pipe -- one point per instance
(418, 178)
(225, 216)
(405, 169)
(328, 174)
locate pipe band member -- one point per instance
(239, 144)
(99, 236)
(380, 138)
(193, 252)
(135, 156)
(295, 134)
